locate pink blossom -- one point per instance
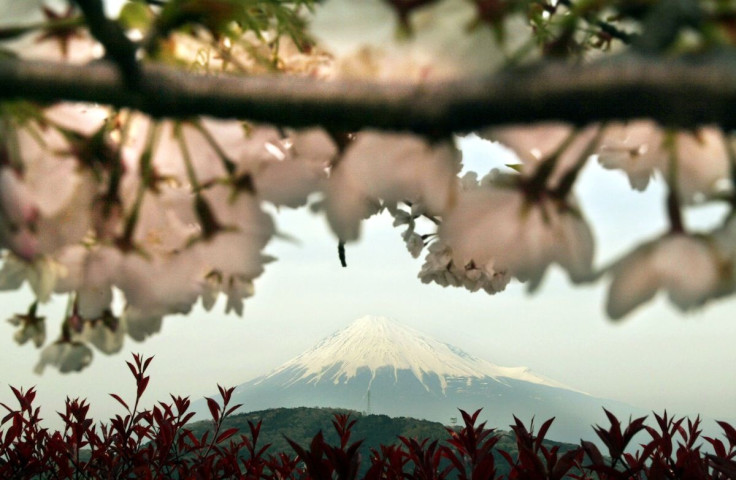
(66, 356)
(392, 168)
(503, 228)
(690, 268)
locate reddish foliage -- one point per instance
(156, 444)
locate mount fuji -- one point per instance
(377, 365)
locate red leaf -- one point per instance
(147, 362)
(593, 453)
(718, 446)
(18, 394)
(226, 434)
(723, 465)
(30, 395)
(729, 431)
(132, 369)
(187, 417)
(233, 408)
(543, 432)
(567, 462)
(120, 400)
(214, 409)
(142, 385)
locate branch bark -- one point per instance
(679, 93)
(110, 34)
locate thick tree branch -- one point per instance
(111, 35)
(678, 93)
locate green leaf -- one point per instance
(135, 15)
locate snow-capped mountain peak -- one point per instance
(378, 366)
(374, 343)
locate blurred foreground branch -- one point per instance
(681, 93)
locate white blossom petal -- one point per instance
(105, 338)
(634, 283)
(440, 268)
(66, 356)
(237, 249)
(81, 118)
(346, 206)
(531, 143)
(636, 148)
(160, 286)
(689, 268)
(500, 227)
(140, 325)
(536, 143)
(289, 182)
(20, 13)
(393, 168)
(703, 163)
(364, 37)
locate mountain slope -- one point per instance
(376, 365)
(376, 342)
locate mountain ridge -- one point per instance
(400, 347)
(377, 365)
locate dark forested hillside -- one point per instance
(303, 423)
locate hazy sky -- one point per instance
(655, 359)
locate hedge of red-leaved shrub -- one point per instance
(156, 443)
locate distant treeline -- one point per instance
(302, 424)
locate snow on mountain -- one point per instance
(375, 343)
(377, 365)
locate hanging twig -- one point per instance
(341, 253)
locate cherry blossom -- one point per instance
(504, 228)
(532, 143)
(554, 145)
(283, 170)
(184, 155)
(100, 203)
(391, 168)
(166, 220)
(690, 268)
(695, 162)
(703, 164)
(300, 171)
(64, 43)
(41, 274)
(15, 13)
(415, 242)
(636, 148)
(140, 325)
(17, 214)
(90, 273)
(237, 288)
(57, 213)
(105, 333)
(440, 267)
(30, 327)
(438, 42)
(159, 286)
(244, 229)
(81, 118)
(67, 356)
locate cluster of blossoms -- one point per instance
(167, 213)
